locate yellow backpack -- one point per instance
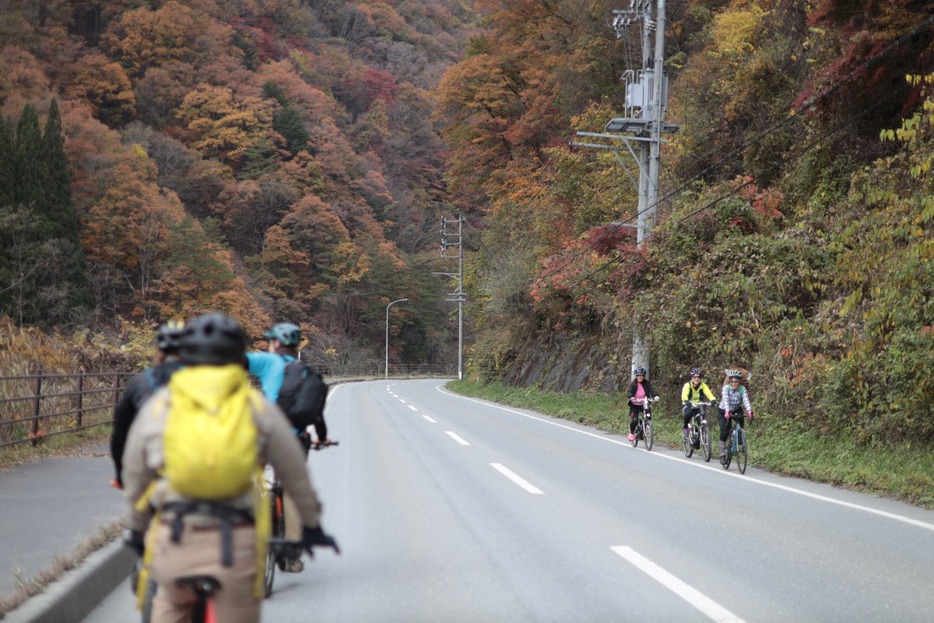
(210, 438)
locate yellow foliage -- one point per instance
(736, 32)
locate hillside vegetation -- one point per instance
(273, 159)
(794, 235)
(292, 160)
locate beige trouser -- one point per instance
(293, 521)
(199, 553)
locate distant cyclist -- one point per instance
(734, 404)
(639, 389)
(141, 387)
(695, 390)
(282, 349)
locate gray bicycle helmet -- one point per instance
(639, 372)
(168, 336)
(697, 372)
(287, 333)
(213, 339)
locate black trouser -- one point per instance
(688, 412)
(739, 416)
(634, 411)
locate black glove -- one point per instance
(134, 540)
(686, 403)
(315, 537)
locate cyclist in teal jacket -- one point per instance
(269, 367)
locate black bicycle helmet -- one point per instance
(697, 372)
(639, 372)
(287, 333)
(168, 336)
(213, 339)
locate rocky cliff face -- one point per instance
(563, 362)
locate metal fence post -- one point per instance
(37, 396)
(80, 396)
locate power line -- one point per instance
(794, 115)
(735, 190)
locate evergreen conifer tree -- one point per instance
(42, 279)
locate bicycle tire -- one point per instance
(636, 433)
(742, 450)
(146, 612)
(649, 435)
(277, 530)
(705, 442)
(687, 443)
(729, 450)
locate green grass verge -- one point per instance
(903, 473)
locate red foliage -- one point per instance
(265, 40)
(609, 238)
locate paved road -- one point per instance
(453, 509)
(49, 508)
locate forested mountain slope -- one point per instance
(794, 233)
(291, 159)
(274, 159)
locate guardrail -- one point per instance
(40, 405)
(395, 370)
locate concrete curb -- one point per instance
(80, 590)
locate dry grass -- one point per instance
(93, 442)
(33, 586)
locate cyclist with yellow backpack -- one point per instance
(194, 455)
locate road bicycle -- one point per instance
(738, 447)
(644, 424)
(204, 586)
(698, 436)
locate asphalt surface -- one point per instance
(47, 510)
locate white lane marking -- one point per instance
(429, 419)
(689, 594)
(695, 465)
(412, 408)
(519, 480)
(457, 438)
(402, 401)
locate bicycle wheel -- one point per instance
(146, 613)
(687, 442)
(730, 444)
(705, 442)
(649, 435)
(277, 530)
(742, 450)
(636, 433)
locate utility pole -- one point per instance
(641, 127)
(452, 239)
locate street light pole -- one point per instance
(387, 332)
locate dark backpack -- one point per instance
(302, 395)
